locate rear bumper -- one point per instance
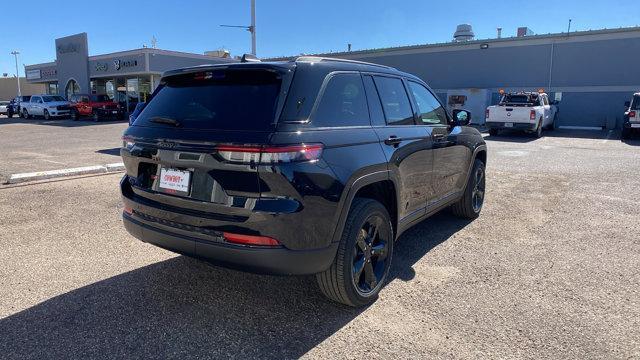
(516, 126)
(265, 260)
(631, 125)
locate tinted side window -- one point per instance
(395, 102)
(343, 103)
(431, 111)
(375, 107)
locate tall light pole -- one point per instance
(15, 54)
(251, 28)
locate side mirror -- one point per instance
(627, 104)
(461, 117)
(555, 102)
(85, 101)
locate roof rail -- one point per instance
(320, 58)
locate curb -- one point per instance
(51, 174)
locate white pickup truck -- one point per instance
(527, 111)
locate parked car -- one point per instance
(4, 107)
(98, 107)
(631, 122)
(527, 111)
(14, 105)
(314, 166)
(47, 106)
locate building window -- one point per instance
(72, 88)
(52, 88)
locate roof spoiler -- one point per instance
(249, 58)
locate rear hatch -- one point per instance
(176, 151)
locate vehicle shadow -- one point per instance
(112, 151)
(582, 134)
(58, 122)
(184, 308)
(511, 136)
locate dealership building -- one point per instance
(127, 76)
(592, 73)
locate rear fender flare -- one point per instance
(351, 190)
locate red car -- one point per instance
(96, 106)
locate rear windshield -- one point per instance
(52, 98)
(220, 100)
(519, 99)
(635, 105)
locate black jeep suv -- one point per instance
(312, 166)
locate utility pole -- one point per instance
(251, 28)
(569, 28)
(15, 54)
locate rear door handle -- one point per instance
(393, 140)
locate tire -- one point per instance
(493, 132)
(469, 206)
(75, 116)
(25, 114)
(95, 116)
(20, 114)
(46, 115)
(625, 134)
(538, 133)
(10, 114)
(339, 283)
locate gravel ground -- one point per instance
(37, 145)
(549, 270)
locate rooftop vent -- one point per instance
(524, 31)
(464, 32)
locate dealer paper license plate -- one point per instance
(174, 181)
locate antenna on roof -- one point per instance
(569, 28)
(154, 42)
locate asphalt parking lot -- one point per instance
(30, 145)
(549, 270)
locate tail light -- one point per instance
(532, 115)
(269, 154)
(632, 114)
(250, 239)
(486, 114)
(127, 142)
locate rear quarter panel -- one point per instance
(322, 186)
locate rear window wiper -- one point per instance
(165, 120)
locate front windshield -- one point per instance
(52, 98)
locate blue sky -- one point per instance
(286, 27)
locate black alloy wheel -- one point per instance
(370, 256)
(362, 262)
(477, 194)
(471, 202)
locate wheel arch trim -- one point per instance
(351, 191)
